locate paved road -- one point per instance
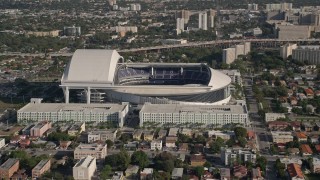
(190, 44)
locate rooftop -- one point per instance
(179, 108)
(177, 172)
(85, 162)
(41, 164)
(294, 170)
(9, 163)
(92, 147)
(62, 107)
(305, 148)
(39, 125)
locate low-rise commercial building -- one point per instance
(281, 136)
(98, 151)
(274, 116)
(8, 168)
(42, 167)
(85, 168)
(40, 128)
(102, 135)
(204, 114)
(77, 128)
(220, 134)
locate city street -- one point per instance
(263, 137)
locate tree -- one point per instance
(105, 172)
(199, 171)
(164, 161)
(242, 141)
(109, 143)
(119, 161)
(261, 161)
(58, 136)
(207, 164)
(240, 132)
(140, 158)
(216, 145)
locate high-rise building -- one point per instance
(180, 25)
(85, 168)
(185, 14)
(212, 14)
(247, 48)
(239, 49)
(253, 7)
(203, 21)
(135, 7)
(281, 6)
(311, 54)
(286, 50)
(293, 32)
(72, 31)
(229, 55)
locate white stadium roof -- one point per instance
(91, 66)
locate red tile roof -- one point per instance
(294, 170)
(305, 148)
(308, 91)
(301, 135)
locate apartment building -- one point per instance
(40, 128)
(281, 136)
(77, 128)
(230, 156)
(42, 167)
(84, 168)
(98, 151)
(102, 135)
(156, 145)
(274, 116)
(8, 168)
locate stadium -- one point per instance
(104, 71)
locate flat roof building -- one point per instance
(8, 168)
(40, 128)
(102, 135)
(37, 111)
(42, 167)
(203, 114)
(98, 151)
(281, 136)
(85, 168)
